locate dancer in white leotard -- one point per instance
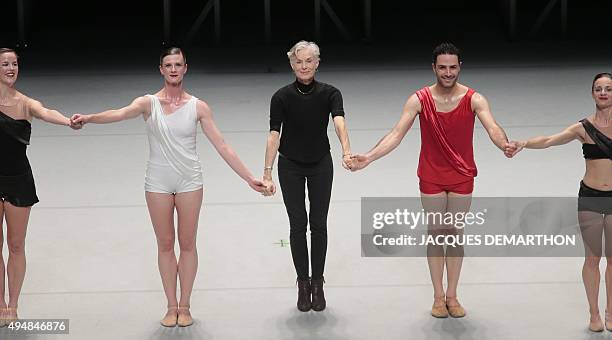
(174, 175)
(173, 165)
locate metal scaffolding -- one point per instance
(323, 8)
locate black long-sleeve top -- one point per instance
(302, 113)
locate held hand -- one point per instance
(359, 162)
(513, 147)
(79, 119)
(75, 126)
(270, 188)
(256, 185)
(509, 148)
(347, 161)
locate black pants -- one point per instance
(318, 177)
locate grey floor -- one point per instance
(91, 249)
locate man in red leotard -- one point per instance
(446, 171)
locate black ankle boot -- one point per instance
(318, 296)
(304, 303)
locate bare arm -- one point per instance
(543, 142)
(564, 137)
(340, 126)
(227, 153)
(483, 112)
(394, 138)
(37, 110)
(140, 105)
(272, 145)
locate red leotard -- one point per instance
(447, 155)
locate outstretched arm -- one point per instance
(393, 138)
(37, 110)
(140, 105)
(483, 112)
(227, 153)
(543, 142)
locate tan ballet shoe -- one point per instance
(3, 317)
(11, 315)
(608, 322)
(184, 317)
(455, 310)
(171, 318)
(439, 310)
(596, 326)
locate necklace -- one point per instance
(302, 92)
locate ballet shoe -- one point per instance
(608, 322)
(439, 310)
(184, 318)
(10, 315)
(3, 317)
(596, 326)
(456, 311)
(170, 319)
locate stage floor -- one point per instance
(92, 254)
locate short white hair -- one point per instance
(303, 45)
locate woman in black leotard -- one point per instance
(302, 110)
(17, 191)
(595, 194)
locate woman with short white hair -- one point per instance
(299, 116)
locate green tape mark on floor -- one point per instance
(282, 243)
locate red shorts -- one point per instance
(463, 188)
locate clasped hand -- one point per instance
(511, 148)
(77, 121)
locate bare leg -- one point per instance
(161, 210)
(591, 227)
(457, 203)
(2, 267)
(608, 231)
(16, 226)
(188, 206)
(435, 253)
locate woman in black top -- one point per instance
(301, 112)
(17, 191)
(595, 193)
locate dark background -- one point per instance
(91, 33)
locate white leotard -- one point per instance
(173, 165)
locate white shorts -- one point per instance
(164, 179)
